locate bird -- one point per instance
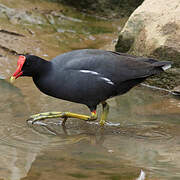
(87, 76)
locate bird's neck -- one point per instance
(43, 75)
(43, 68)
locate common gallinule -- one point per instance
(88, 77)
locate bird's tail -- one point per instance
(164, 65)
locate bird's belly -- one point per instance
(77, 89)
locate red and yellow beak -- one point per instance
(18, 71)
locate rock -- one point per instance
(153, 30)
(110, 8)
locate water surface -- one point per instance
(142, 133)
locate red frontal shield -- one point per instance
(20, 63)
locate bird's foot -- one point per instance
(46, 115)
(102, 122)
(64, 115)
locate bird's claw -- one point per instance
(101, 123)
(42, 116)
(31, 120)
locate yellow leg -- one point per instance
(64, 115)
(104, 113)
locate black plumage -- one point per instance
(90, 76)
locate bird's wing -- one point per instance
(114, 66)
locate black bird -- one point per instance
(88, 77)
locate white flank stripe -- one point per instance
(107, 80)
(166, 67)
(90, 72)
(97, 74)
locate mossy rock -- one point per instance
(123, 44)
(104, 7)
(167, 53)
(167, 80)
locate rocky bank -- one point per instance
(153, 30)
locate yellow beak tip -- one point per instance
(12, 79)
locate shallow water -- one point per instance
(142, 132)
(147, 137)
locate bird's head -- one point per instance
(27, 65)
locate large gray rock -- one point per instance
(153, 30)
